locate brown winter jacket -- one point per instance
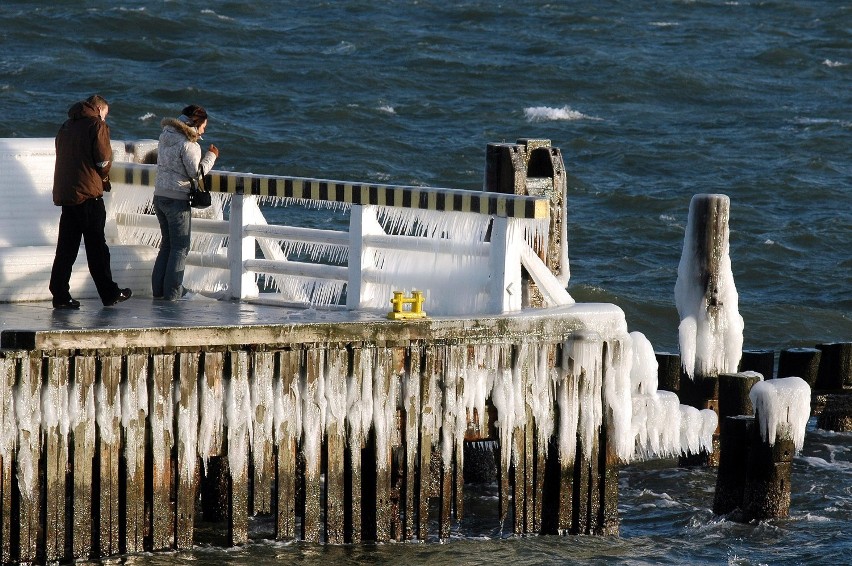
(83, 156)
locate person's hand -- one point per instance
(214, 150)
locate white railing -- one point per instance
(463, 249)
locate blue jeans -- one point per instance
(175, 219)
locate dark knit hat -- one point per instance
(196, 114)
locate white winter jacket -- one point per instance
(178, 157)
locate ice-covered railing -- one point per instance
(463, 249)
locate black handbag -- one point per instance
(198, 196)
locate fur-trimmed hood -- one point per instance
(190, 132)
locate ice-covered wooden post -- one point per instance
(711, 327)
(782, 408)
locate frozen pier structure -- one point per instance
(294, 396)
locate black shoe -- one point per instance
(123, 295)
(67, 304)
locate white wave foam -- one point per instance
(546, 113)
(830, 63)
(147, 116)
(387, 108)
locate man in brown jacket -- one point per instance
(83, 160)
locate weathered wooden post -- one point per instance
(835, 366)
(836, 415)
(735, 440)
(761, 361)
(668, 371)
(782, 409)
(834, 385)
(800, 362)
(711, 327)
(737, 422)
(734, 389)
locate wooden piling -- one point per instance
(261, 465)
(411, 432)
(669, 371)
(135, 528)
(433, 360)
(161, 444)
(8, 374)
(835, 366)
(761, 361)
(29, 457)
(83, 435)
(187, 450)
(836, 415)
(286, 441)
(238, 424)
(766, 493)
(57, 453)
(800, 362)
(734, 444)
(734, 391)
(109, 456)
(336, 380)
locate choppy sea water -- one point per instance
(650, 103)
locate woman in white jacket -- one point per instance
(178, 157)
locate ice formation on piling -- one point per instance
(129, 403)
(287, 413)
(711, 328)
(210, 427)
(782, 407)
(660, 426)
(385, 389)
(262, 403)
(238, 415)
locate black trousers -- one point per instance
(84, 221)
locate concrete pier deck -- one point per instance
(145, 313)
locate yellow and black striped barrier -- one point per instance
(423, 198)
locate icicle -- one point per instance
(384, 404)
(567, 397)
(210, 429)
(288, 410)
(696, 430)
(313, 412)
(262, 403)
(503, 399)
(477, 383)
(617, 394)
(187, 426)
(360, 399)
(238, 415)
(540, 394)
(28, 413)
(643, 373)
(130, 404)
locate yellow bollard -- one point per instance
(400, 301)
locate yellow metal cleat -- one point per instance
(400, 301)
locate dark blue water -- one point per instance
(650, 102)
